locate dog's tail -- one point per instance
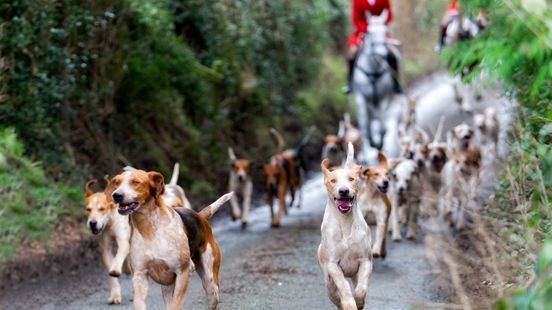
(350, 161)
(439, 129)
(347, 120)
(341, 130)
(231, 154)
(210, 210)
(279, 140)
(299, 147)
(174, 177)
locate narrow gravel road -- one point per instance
(262, 268)
(266, 268)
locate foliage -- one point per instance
(30, 202)
(100, 84)
(516, 49)
(91, 86)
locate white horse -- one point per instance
(373, 83)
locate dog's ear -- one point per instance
(324, 166)
(109, 189)
(366, 171)
(157, 183)
(382, 159)
(106, 180)
(88, 187)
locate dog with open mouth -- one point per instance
(460, 138)
(345, 246)
(167, 243)
(373, 199)
(113, 231)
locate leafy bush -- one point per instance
(517, 50)
(95, 85)
(30, 202)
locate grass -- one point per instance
(31, 203)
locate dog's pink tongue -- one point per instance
(343, 205)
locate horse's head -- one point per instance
(377, 34)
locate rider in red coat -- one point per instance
(360, 10)
(450, 13)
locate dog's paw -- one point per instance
(244, 225)
(115, 273)
(397, 238)
(376, 252)
(410, 237)
(349, 305)
(275, 225)
(115, 299)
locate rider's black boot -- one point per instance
(392, 60)
(351, 66)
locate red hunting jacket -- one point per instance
(359, 9)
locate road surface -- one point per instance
(266, 268)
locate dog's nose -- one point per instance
(385, 184)
(343, 192)
(410, 155)
(241, 178)
(401, 189)
(117, 197)
(93, 224)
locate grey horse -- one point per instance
(373, 83)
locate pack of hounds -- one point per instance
(148, 228)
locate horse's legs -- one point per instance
(363, 117)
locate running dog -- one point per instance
(240, 182)
(405, 195)
(431, 174)
(345, 246)
(487, 128)
(460, 137)
(285, 170)
(460, 180)
(373, 198)
(113, 230)
(407, 121)
(166, 243)
(332, 150)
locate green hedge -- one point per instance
(516, 50)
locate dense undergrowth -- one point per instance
(30, 201)
(517, 51)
